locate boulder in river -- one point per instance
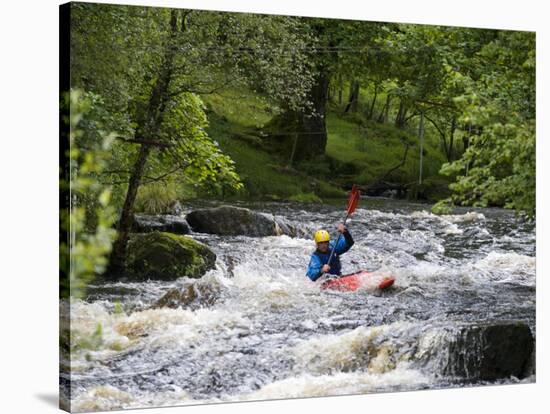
(234, 221)
(190, 296)
(166, 222)
(167, 256)
(483, 351)
(174, 209)
(491, 351)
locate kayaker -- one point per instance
(318, 265)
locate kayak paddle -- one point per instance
(353, 201)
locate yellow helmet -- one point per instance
(321, 236)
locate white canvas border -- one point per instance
(29, 206)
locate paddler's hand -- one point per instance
(325, 268)
(341, 228)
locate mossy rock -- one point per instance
(167, 256)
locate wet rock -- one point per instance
(487, 352)
(168, 223)
(190, 296)
(175, 298)
(174, 209)
(234, 221)
(390, 194)
(531, 368)
(478, 234)
(167, 256)
(231, 262)
(287, 228)
(101, 290)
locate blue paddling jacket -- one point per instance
(319, 259)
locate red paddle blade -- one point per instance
(353, 199)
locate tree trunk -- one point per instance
(148, 129)
(353, 97)
(466, 142)
(337, 90)
(399, 111)
(385, 111)
(447, 147)
(306, 130)
(401, 115)
(373, 102)
(293, 153)
(355, 103)
(451, 139)
(118, 254)
(314, 140)
(421, 139)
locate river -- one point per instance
(261, 330)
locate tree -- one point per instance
(86, 221)
(337, 49)
(498, 167)
(173, 55)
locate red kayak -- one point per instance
(353, 281)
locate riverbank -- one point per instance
(359, 151)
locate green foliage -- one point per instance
(498, 167)
(319, 167)
(107, 42)
(192, 161)
(475, 87)
(374, 148)
(254, 50)
(200, 157)
(263, 174)
(90, 216)
(122, 53)
(257, 169)
(155, 198)
(118, 51)
(442, 207)
(435, 188)
(241, 107)
(325, 190)
(305, 198)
